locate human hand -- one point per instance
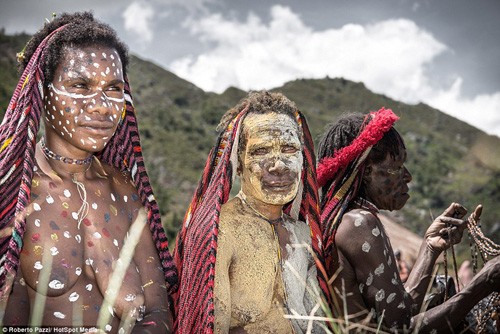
(447, 229)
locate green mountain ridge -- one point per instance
(449, 159)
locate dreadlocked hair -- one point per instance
(82, 30)
(347, 128)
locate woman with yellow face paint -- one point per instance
(256, 274)
(75, 205)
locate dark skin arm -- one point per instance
(445, 230)
(446, 316)
(157, 317)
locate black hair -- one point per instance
(348, 127)
(82, 30)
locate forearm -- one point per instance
(421, 275)
(445, 317)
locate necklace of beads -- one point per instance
(54, 156)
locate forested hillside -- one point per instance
(449, 159)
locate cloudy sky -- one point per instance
(444, 53)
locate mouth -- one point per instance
(98, 127)
(278, 186)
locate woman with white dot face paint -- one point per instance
(80, 264)
(361, 171)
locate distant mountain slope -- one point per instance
(449, 159)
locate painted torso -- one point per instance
(257, 278)
(82, 258)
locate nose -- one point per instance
(278, 166)
(407, 175)
(100, 104)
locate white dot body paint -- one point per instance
(49, 199)
(74, 215)
(121, 330)
(358, 222)
(391, 297)
(78, 238)
(89, 287)
(67, 234)
(73, 297)
(366, 247)
(56, 285)
(89, 262)
(78, 271)
(125, 198)
(113, 197)
(369, 280)
(37, 222)
(379, 270)
(401, 305)
(54, 251)
(361, 287)
(108, 328)
(59, 315)
(36, 207)
(130, 297)
(38, 265)
(380, 295)
(115, 242)
(97, 235)
(67, 193)
(376, 232)
(94, 206)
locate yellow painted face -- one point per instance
(271, 163)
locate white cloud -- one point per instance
(390, 57)
(137, 19)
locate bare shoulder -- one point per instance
(358, 225)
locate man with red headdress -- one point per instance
(361, 171)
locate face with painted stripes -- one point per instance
(84, 102)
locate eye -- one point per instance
(79, 86)
(260, 151)
(289, 149)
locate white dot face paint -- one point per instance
(272, 159)
(79, 90)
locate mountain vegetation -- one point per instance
(449, 159)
